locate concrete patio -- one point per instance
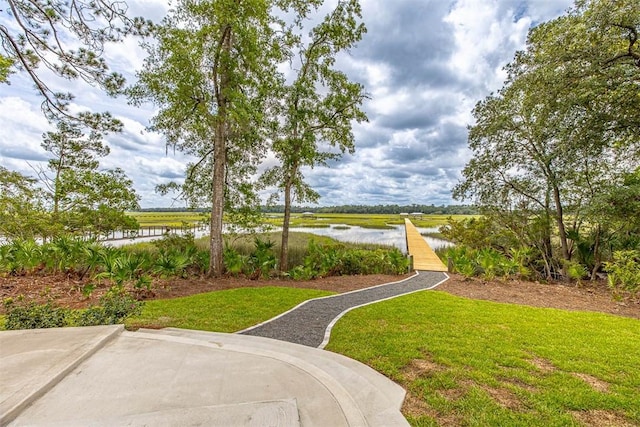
(105, 376)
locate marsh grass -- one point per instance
(482, 363)
(375, 221)
(298, 244)
(170, 219)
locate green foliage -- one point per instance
(22, 212)
(624, 271)
(550, 149)
(123, 266)
(487, 262)
(521, 258)
(171, 263)
(490, 261)
(115, 306)
(68, 39)
(175, 242)
(179, 255)
(83, 198)
(463, 260)
(21, 315)
(27, 255)
(75, 197)
(5, 68)
(234, 262)
(464, 360)
(263, 260)
(338, 260)
(575, 270)
(477, 233)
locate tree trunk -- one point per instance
(217, 202)
(216, 247)
(562, 232)
(284, 249)
(596, 253)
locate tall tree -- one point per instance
(212, 73)
(68, 38)
(563, 127)
(22, 211)
(82, 197)
(318, 110)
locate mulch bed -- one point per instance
(590, 296)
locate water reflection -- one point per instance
(355, 234)
(394, 236)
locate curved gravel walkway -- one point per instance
(310, 323)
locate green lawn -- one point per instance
(481, 363)
(462, 361)
(223, 311)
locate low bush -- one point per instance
(115, 306)
(487, 262)
(21, 315)
(624, 271)
(338, 260)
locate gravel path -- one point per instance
(310, 323)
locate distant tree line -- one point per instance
(355, 209)
(379, 209)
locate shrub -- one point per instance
(337, 260)
(463, 260)
(115, 306)
(22, 315)
(262, 260)
(172, 263)
(233, 261)
(624, 271)
(174, 242)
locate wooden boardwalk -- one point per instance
(424, 258)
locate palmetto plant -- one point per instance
(490, 261)
(522, 257)
(66, 254)
(27, 255)
(8, 263)
(92, 259)
(234, 262)
(463, 260)
(399, 263)
(262, 260)
(108, 262)
(171, 263)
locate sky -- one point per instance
(424, 64)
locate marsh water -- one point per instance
(354, 234)
(395, 236)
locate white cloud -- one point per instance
(425, 64)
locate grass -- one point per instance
(170, 219)
(298, 244)
(222, 311)
(462, 361)
(377, 221)
(481, 363)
